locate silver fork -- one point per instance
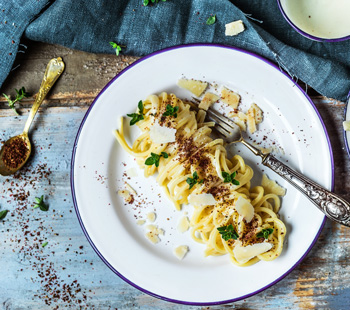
(332, 205)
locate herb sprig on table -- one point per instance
(211, 20)
(154, 159)
(194, 180)
(20, 94)
(171, 111)
(265, 233)
(228, 232)
(135, 117)
(146, 2)
(118, 48)
(41, 204)
(3, 214)
(230, 178)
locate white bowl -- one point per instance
(319, 20)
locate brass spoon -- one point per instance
(53, 70)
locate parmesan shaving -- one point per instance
(153, 233)
(271, 187)
(194, 86)
(140, 222)
(200, 200)
(254, 117)
(181, 251)
(151, 216)
(244, 208)
(132, 172)
(234, 28)
(251, 124)
(128, 198)
(230, 97)
(208, 100)
(161, 134)
(130, 189)
(245, 253)
(151, 236)
(183, 225)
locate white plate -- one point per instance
(347, 133)
(98, 164)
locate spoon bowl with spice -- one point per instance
(16, 150)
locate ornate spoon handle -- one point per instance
(53, 70)
(333, 206)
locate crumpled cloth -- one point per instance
(90, 25)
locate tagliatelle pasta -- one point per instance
(196, 164)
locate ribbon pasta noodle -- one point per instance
(195, 151)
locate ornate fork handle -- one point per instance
(335, 207)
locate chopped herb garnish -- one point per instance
(154, 159)
(3, 214)
(118, 48)
(135, 117)
(193, 181)
(265, 233)
(45, 244)
(228, 232)
(171, 111)
(211, 20)
(230, 178)
(40, 204)
(146, 2)
(20, 94)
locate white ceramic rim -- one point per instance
(77, 207)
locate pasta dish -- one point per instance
(229, 216)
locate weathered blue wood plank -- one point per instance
(67, 272)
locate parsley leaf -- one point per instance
(230, 178)
(45, 244)
(193, 181)
(265, 233)
(154, 159)
(40, 204)
(146, 2)
(20, 94)
(3, 214)
(135, 117)
(211, 20)
(171, 111)
(117, 47)
(228, 232)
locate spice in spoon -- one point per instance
(15, 152)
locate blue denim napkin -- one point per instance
(90, 25)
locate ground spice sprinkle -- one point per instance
(15, 152)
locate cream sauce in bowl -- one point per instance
(323, 20)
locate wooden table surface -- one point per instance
(67, 272)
